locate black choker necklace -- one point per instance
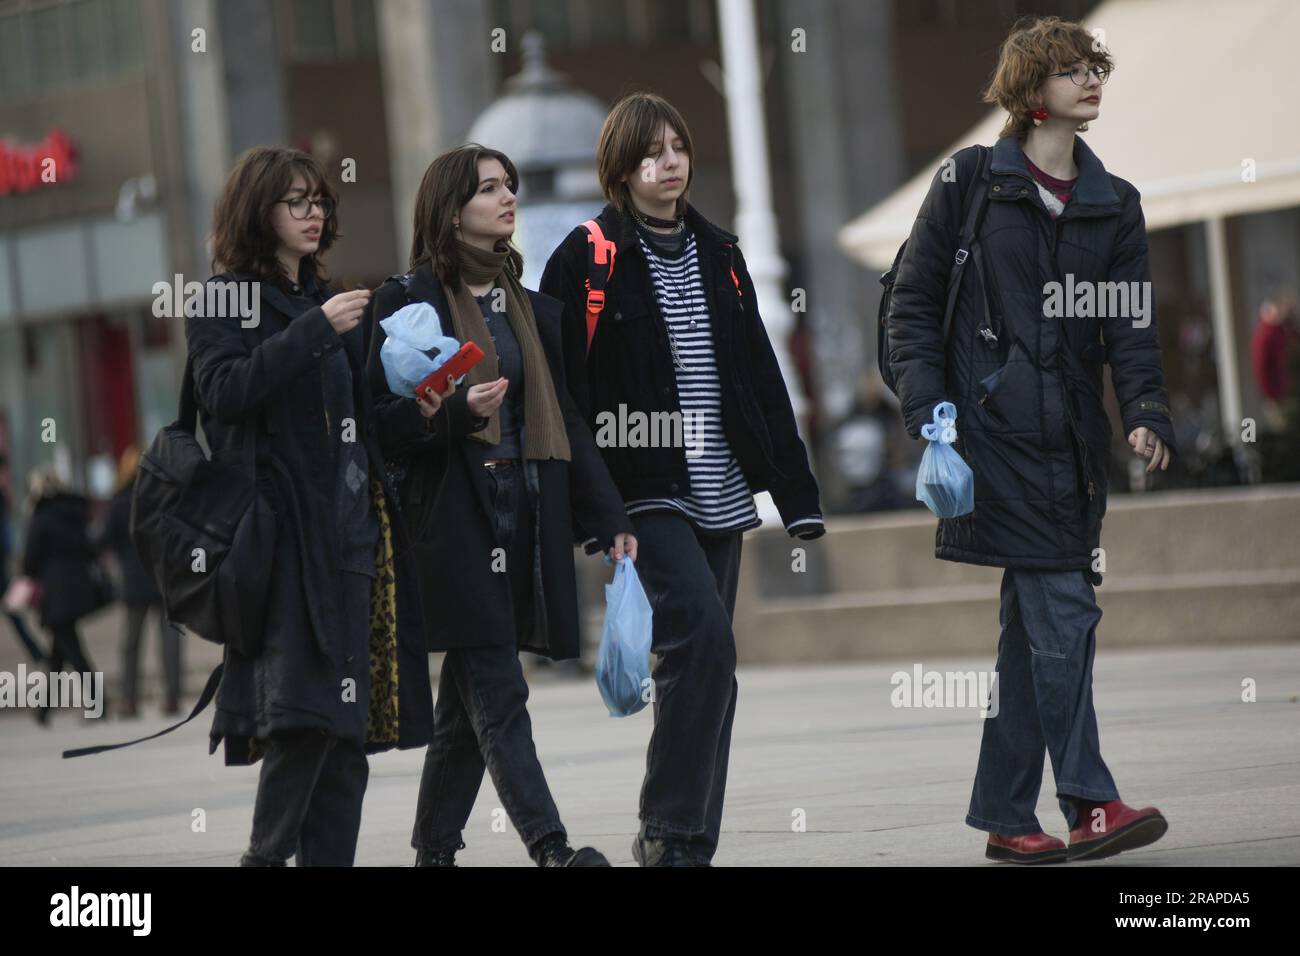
(647, 220)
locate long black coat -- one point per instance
(469, 604)
(1030, 418)
(270, 377)
(630, 366)
(59, 555)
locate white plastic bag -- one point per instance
(415, 347)
(623, 660)
(944, 482)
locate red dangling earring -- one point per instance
(1038, 116)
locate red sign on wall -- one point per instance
(24, 168)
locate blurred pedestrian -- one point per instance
(1273, 348)
(1027, 383)
(15, 616)
(59, 558)
(519, 470)
(140, 595)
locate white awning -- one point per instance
(1203, 95)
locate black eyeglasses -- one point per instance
(300, 207)
(1078, 74)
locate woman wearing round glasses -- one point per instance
(1024, 369)
(342, 671)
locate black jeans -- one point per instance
(480, 719)
(170, 638)
(690, 578)
(308, 800)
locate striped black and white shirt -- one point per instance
(720, 499)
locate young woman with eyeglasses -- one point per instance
(342, 671)
(1025, 371)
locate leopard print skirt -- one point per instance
(382, 727)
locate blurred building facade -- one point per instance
(156, 97)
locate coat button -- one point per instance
(997, 189)
(316, 354)
(618, 316)
(666, 390)
(674, 487)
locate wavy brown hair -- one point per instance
(448, 184)
(634, 124)
(1035, 48)
(243, 239)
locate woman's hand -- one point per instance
(1147, 444)
(623, 544)
(345, 309)
(431, 401)
(485, 399)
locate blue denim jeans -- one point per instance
(1049, 626)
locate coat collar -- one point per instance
(621, 228)
(1094, 192)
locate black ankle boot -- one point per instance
(554, 850)
(666, 852)
(438, 857)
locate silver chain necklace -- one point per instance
(678, 293)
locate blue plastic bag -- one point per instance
(944, 482)
(415, 347)
(623, 660)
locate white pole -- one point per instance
(752, 178)
(1225, 341)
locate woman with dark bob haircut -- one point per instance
(1026, 377)
(341, 671)
(520, 473)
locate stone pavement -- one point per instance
(877, 785)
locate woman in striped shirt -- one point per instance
(679, 340)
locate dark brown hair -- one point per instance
(448, 184)
(634, 124)
(243, 239)
(1035, 48)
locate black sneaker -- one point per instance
(437, 857)
(668, 852)
(554, 850)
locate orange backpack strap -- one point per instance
(600, 267)
(739, 291)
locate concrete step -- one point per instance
(1138, 611)
(1142, 535)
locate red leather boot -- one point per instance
(1025, 848)
(1118, 827)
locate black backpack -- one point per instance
(968, 247)
(183, 500)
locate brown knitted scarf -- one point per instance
(545, 435)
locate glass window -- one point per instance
(314, 34)
(15, 71)
(51, 63)
(84, 21)
(670, 20)
(607, 21)
(365, 39)
(126, 44)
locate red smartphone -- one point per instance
(465, 359)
